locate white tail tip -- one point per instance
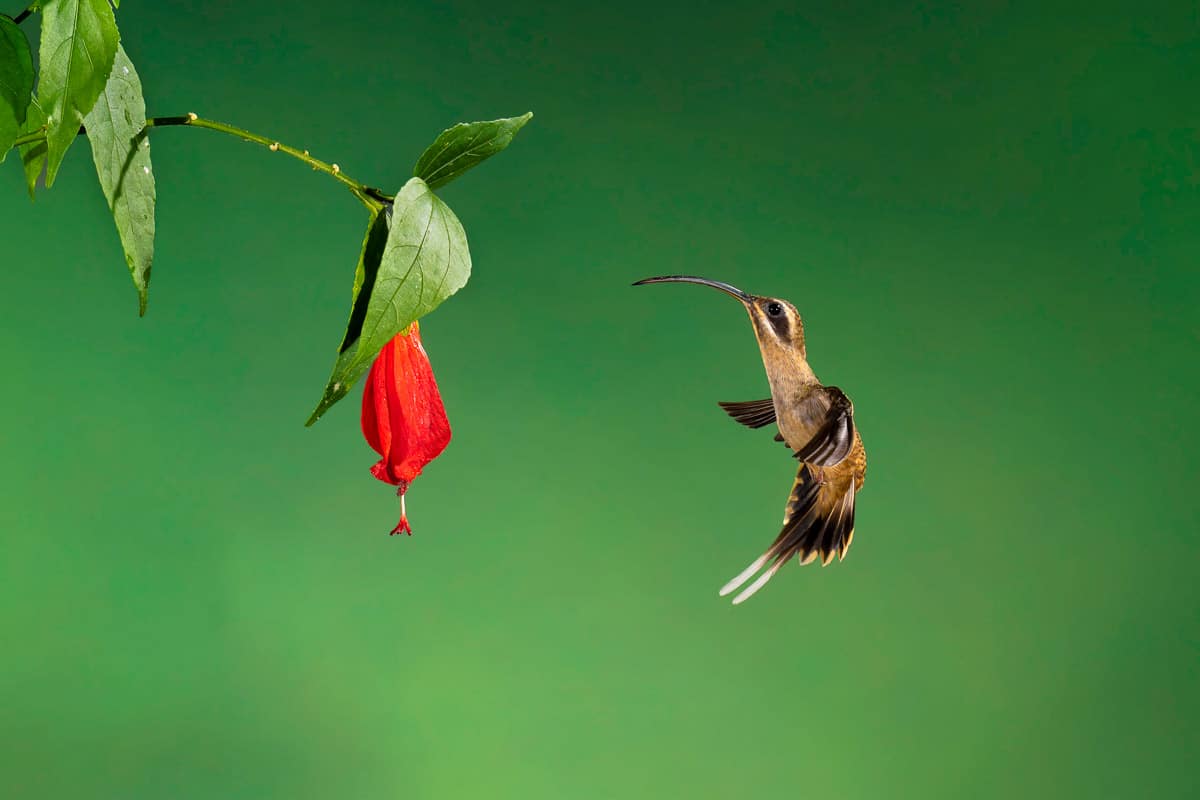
(758, 584)
(743, 576)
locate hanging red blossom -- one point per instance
(402, 414)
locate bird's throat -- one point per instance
(792, 383)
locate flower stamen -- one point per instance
(402, 526)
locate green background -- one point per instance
(990, 218)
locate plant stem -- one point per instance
(29, 138)
(371, 197)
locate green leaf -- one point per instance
(33, 155)
(423, 260)
(464, 146)
(79, 42)
(16, 82)
(345, 369)
(116, 132)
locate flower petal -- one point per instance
(403, 417)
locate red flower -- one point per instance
(402, 414)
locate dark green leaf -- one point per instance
(79, 42)
(16, 82)
(423, 260)
(116, 131)
(346, 370)
(364, 276)
(33, 155)
(465, 145)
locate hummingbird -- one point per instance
(816, 422)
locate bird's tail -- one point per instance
(819, 523)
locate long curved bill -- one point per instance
(733, 291)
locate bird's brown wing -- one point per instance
(799, 517)
(751, 413)
(834, 438)
(819, 520)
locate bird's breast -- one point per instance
(800, 415)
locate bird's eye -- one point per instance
(774, 309)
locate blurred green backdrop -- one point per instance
(990, 218)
